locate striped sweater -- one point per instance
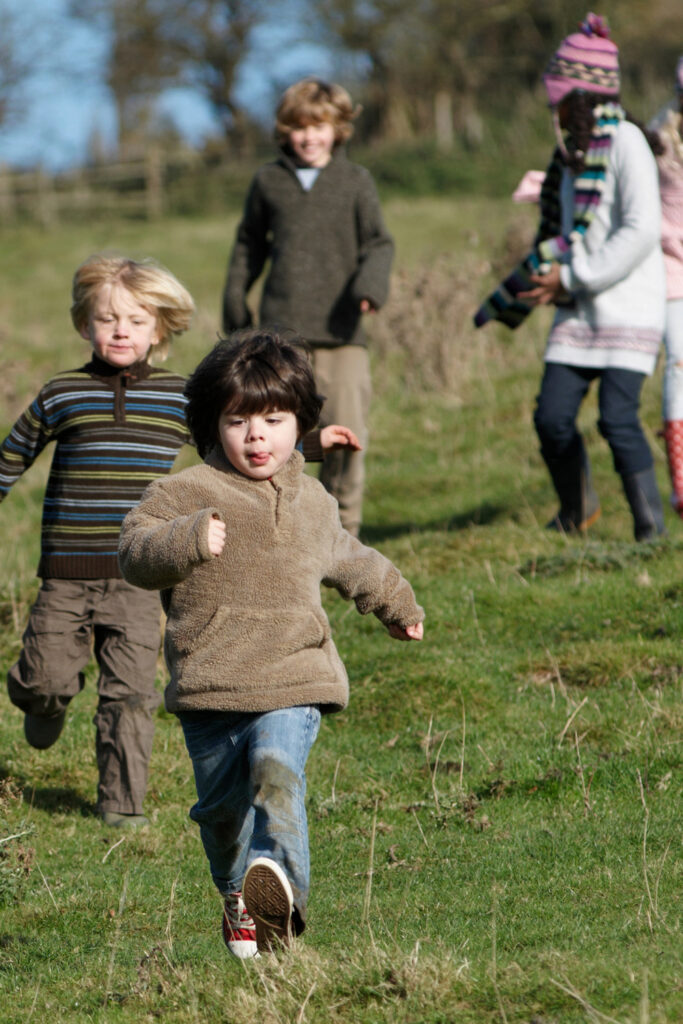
(115, 431)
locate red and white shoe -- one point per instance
(239, 933)
(270, 901)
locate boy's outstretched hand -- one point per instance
(336, 436)
(415, 632)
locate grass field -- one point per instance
(496, 819)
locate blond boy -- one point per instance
(117, 423)
(317, 218)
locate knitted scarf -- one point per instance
(550, 244)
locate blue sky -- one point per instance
(63, 108)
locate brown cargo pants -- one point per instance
(122, 624)
(342, 375)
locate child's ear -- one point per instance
(84, 330)
(158, 329)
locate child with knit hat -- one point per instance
(597, 258)
(669, 127)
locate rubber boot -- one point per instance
(673, 436)
(645, 502)
(579, 504)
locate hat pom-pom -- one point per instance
(595, 25)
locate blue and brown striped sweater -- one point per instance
(115, 431)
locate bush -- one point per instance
(426, 327)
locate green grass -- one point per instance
(495, 820)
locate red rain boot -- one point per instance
(673, 435)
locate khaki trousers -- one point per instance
(342, 375)
(122, 623)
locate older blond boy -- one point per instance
(317, 218)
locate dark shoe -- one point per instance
(564, 522)
(579, 505)
(269, 902)
(42, 731)
(116, 820)
(645, 503)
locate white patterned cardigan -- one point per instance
(615, 272)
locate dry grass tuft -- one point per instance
(428, 323)
(303, 985)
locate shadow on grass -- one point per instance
(482, 515)
(63, 799)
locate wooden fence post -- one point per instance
(6, 195)
(154, 183)
(46, 208)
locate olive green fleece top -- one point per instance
(328, 249)
(246, 630)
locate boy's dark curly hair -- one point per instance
(255, 371)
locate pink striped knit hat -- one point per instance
(586, 60)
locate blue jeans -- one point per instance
(563, 388)
(250, 773)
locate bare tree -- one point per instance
(141, 58)
(161, 43)
(212, 39)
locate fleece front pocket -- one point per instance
(238, 647)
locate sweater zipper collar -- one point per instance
(281, 487)
(278, 496)
(118, 379)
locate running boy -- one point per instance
(117, 423)
(239, 547)
(317, 218)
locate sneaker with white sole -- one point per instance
(239, 933)
(269, 900)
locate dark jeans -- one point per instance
(563, 388)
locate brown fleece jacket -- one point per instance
(246, 631)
